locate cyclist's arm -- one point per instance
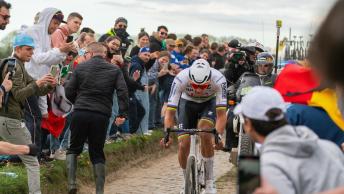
(221, 105)
(173, 101)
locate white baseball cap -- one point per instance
(257, 102)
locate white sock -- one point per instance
(209, 166)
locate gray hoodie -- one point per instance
(295, 161)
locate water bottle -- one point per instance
(9, 174)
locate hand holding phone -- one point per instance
(248, 174)
(69, 39)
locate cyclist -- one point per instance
(200, 91)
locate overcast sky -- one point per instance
(247, 19)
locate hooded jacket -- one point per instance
(24, 86)
(44, 55)
(295, 161)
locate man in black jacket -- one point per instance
(91, 90)
(157, 39)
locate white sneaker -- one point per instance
(60, 154)
(210, 187)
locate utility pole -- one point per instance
(278, 25)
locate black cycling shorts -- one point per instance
(189, 113)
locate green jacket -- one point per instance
(23, 87)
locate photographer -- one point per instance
(12, 129)
(120, 30)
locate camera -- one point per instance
(11, 64)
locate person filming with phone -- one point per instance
(293, 158)
(12, 127)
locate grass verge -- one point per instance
(54, 174)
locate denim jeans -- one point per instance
(114, 113)
(152, 109)
(33, 119)
(143, 98)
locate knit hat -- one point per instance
(121, 19)
(144, 49)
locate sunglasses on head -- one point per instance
(199, 86)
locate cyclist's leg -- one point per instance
(187, 120)
(207, 121)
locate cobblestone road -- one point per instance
(163, 176)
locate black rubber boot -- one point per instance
(99, 176)
(71, 172)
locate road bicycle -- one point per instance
(195, 170)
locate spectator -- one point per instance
(172, 36)
(120, 30)
(73, 25)
(5, 14)
(197, 42)
(204, 54)
(12, 129)
(87, 30)
(143, 41)
(177, 56)
(43, 57)
(293, 158)
(217, 59)
(205, 41)
(92, 100)
(188, 38)
(59, 37)
(162, 60)
(138, 63)
(326, 50)
(191, 54)
(213, 47)
(156, 41)
(170, 45)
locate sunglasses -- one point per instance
(199, 86)
(163, 33)
(5, 17)
(122, 26)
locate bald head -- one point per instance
(97, 48)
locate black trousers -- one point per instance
(91, 126)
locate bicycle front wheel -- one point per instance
(190, 176)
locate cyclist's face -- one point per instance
(199, 88)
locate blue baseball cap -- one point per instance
(23, 40)
(144, 49)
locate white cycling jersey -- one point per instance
(181, 88)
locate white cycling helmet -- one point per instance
(200, 71)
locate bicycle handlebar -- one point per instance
(192, 132)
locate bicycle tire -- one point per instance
(246, 145)
(190, 176)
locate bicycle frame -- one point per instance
(195, 171)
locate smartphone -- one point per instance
(248, 174)
(54, 70)
(69, 39)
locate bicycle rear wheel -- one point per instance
(190, 177)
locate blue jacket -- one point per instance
(317, 120)
(136, 64)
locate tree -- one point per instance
(6, 45)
